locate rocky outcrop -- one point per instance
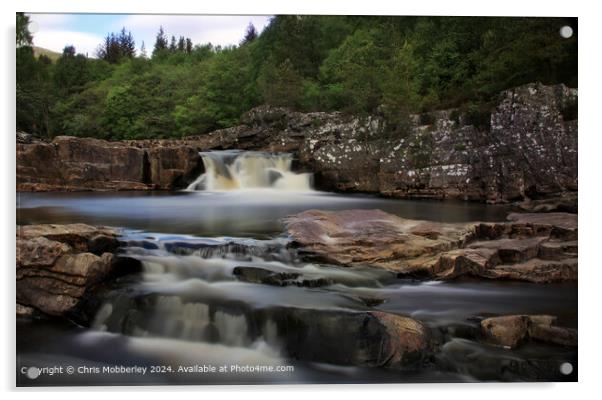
(526, 150)
(56, 264)
(531, 247)
(512, 330)
(69, 163)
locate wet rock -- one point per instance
(261, 275)
(512, 330)
(24, 311)
(484, 363)
(531, 247)
(372, 339)
(265, 276)
(553, 334)
(506, 331)
(567, 202)
(56, 264)
(338, 336)
(371, 237)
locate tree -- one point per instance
(70, 72)
(143, 51)
(34, 95)
(280, 85)
(160, 42)
(127, 45)
(24, 37)
(250, 34)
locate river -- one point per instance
(187, 307)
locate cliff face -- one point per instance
(528, 151)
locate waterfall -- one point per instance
(239, 170)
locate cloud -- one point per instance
(56, 40)
(50, 32)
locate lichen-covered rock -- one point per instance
(56, 264)
(531, 247)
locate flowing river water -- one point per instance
(188, 308)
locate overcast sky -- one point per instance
(86, 31)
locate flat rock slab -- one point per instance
(371, 237)
(531, 247)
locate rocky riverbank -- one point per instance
(531, 247)
(57, 264)
(527, 149)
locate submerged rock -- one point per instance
(56, 264)
(531, 247)
(268, 277)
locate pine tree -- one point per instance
(143, 50)
(24, 37)
(182, 44)
(188, 45)
(250, 34)
(160, 42)
(127, 45)
(173, 46)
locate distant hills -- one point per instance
(53, 55)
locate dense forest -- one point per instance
(392, 66)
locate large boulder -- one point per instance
(56, 264)
(531, 247)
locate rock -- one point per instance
(553, 334)
(173, 167)
(531, 247)
(528, 152)
(566, 202)
(81, 237)
(24, 311)
(511, 330)
(265, 276)
(370, 237)
(506, 331)
(56, 264)
(261, 275)
(336, 335)
(370, 339)
(72, 163)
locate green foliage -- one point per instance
(389, 66)
(23, 35)
(281, 85)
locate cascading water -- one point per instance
(238, 170)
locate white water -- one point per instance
(236, 170)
